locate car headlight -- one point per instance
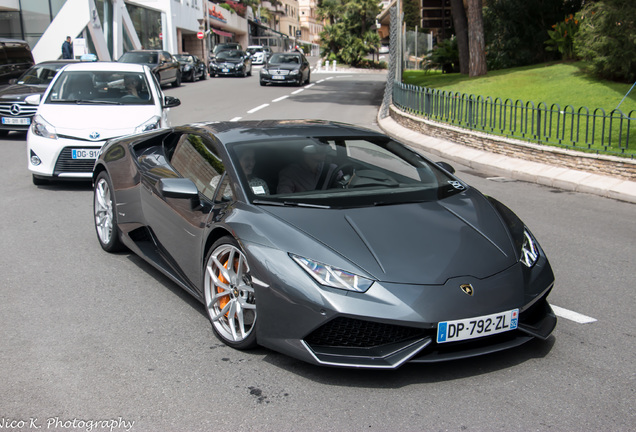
(529, 249)
(152, 124)
(264, 72)
(41, 127)
(187, 68)
(333, 277)
(294, 72)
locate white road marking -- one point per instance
(280, 98)
(572, 316)
(236, 119)
(298, 91)
(318, 82)
(329, 78)
(253, 110)
(310, 85)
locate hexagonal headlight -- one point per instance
(529, 249)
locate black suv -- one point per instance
(163, 65)
(15, 58)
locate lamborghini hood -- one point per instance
(418, 243)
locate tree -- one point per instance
(350, 34)
(411, 14)
(461, 33)
(476, 42)
(607, 38)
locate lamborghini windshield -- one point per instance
(339, 172)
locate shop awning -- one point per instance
(222, 33)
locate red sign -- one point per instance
(200, 35)
(160, 36)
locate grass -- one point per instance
(564, 84)
(561, 83)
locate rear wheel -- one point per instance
(105, 215)
(229, 294)
(177, 82)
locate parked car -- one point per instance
(85, 105)
(259, 54)
(192, 68)
(15, 113)
(377, 257)
(231, 63)
(224, 47)
(286, 68)
(163, 65)
(15, 59)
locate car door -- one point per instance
(180, 225)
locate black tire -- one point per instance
(308, 77)
(177, 82)
(192, 78)
(226, 286)
(37, 181)
(4, 133)
(104, 216)
(263, 83)
(204, 75)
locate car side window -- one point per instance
(193, 159)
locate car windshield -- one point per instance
(285, 58)
(40, 74)
(230, 55)
(184, 58)
(252, 50)
(224, 47)
(139, 58)
(101, 87)
(338, 173)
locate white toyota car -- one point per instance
(85, 105)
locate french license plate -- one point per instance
(471, 328)
(278, 77)
(16, 121)
(86, 153)
(225, 70)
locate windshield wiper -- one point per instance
(95, 102)
(290, 204)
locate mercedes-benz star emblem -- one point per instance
(15, 109)
(94, 135)
(467, 288)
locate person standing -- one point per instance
(67, 49)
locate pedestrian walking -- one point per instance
(67, 48)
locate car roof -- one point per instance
(105, 66)
(258, 130)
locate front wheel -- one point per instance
(229, 294)
(105, 215)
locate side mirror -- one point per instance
(180, 188)
(446, 166)
(33, 99)
(170, 102)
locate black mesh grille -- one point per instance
(66, 164)
(348, 332)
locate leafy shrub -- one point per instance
(444, 56)
(562, 37)
(607, 39)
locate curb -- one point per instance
(513, 168)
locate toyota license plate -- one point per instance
(471, 328)
(86, 153)
(16, 121)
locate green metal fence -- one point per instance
(580, 129)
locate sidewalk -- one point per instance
(518, 169)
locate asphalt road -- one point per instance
(90, 337)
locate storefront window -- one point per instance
(148, 25)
